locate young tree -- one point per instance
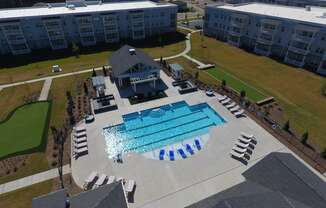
(75, 49)
(197, 75)
(304, 138)
(243, 94)
(85, 88)
(94, 73)
(286, 126)
(323, 153)
(223, 82)
(104, 71)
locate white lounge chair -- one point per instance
(100, 181)
(239, 149)
(243, 145)
(80, 129)
(129, 187)
(230, 105)
(80, 140)
(234, 109)
(237, 155)
(110, 180)
(90, 179)
(239, 113)
(80, 151)
(221, 98)
(226, 101)
(244, 140)
(80, 134)
(80, 145)
(246, 135)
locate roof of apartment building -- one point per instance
(126, 57)
(108, 196)
(278, 180)
(87, 8)
(315, 15)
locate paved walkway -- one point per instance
(45, 90)
(33, 179)
(49, 77)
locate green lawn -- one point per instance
(297, 90)
(24, 129)
(236, 84)
(22, 198)
(38, 64)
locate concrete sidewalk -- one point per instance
(33, 179)
(45, 90)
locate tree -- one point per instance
(94, 73)
(323, 153)
(75, 49)
(243, 94)
(104, 71)
(197, 75)
(286, 126)
(223, 82)
(304, 138)
(323, 89)
(85, 88)
(161, 60)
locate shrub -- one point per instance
(54, 163)
(94, 73)
(323, 153)
(197, 75)
(54, 154)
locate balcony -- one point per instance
(265, 41)
(261, 51)
(302, 38)
(298, 50)
(294, 62)
(136, 80)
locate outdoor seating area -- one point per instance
(103, 104)
(94, 180)
(185, 86)
(79, 145)
(243, 147)
(231, 106)
(187, 151)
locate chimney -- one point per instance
(132, 51)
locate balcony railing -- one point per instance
(298, 50)
(265, 41)
(135, 80)
(302, 38)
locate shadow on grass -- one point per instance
(9, 61)
(42, 146)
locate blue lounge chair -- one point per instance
(182, 153)
(162, 151)
(197, 143)
(171, 154)
(189, 149)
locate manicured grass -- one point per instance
(191, 68)
(13, 97)
(57, 94)
(297, 90)
(24, 129)
(236, 84)
(39, 65)
(22, 198)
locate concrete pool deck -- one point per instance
(182, 182)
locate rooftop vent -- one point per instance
(132, 51)
(308, 8)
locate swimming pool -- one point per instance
(154, 128)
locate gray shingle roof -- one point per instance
(275, 181)
(121, 60)
(107, 196)
(55, 199)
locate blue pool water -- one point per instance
(154, 128)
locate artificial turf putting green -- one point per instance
(23, 131)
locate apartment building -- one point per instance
(297, 3)
(86, 23)
(295, 35)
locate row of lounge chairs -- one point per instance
(181, 151)
(95, 180)
(231, 105)
(242, 145)
(80, 146)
